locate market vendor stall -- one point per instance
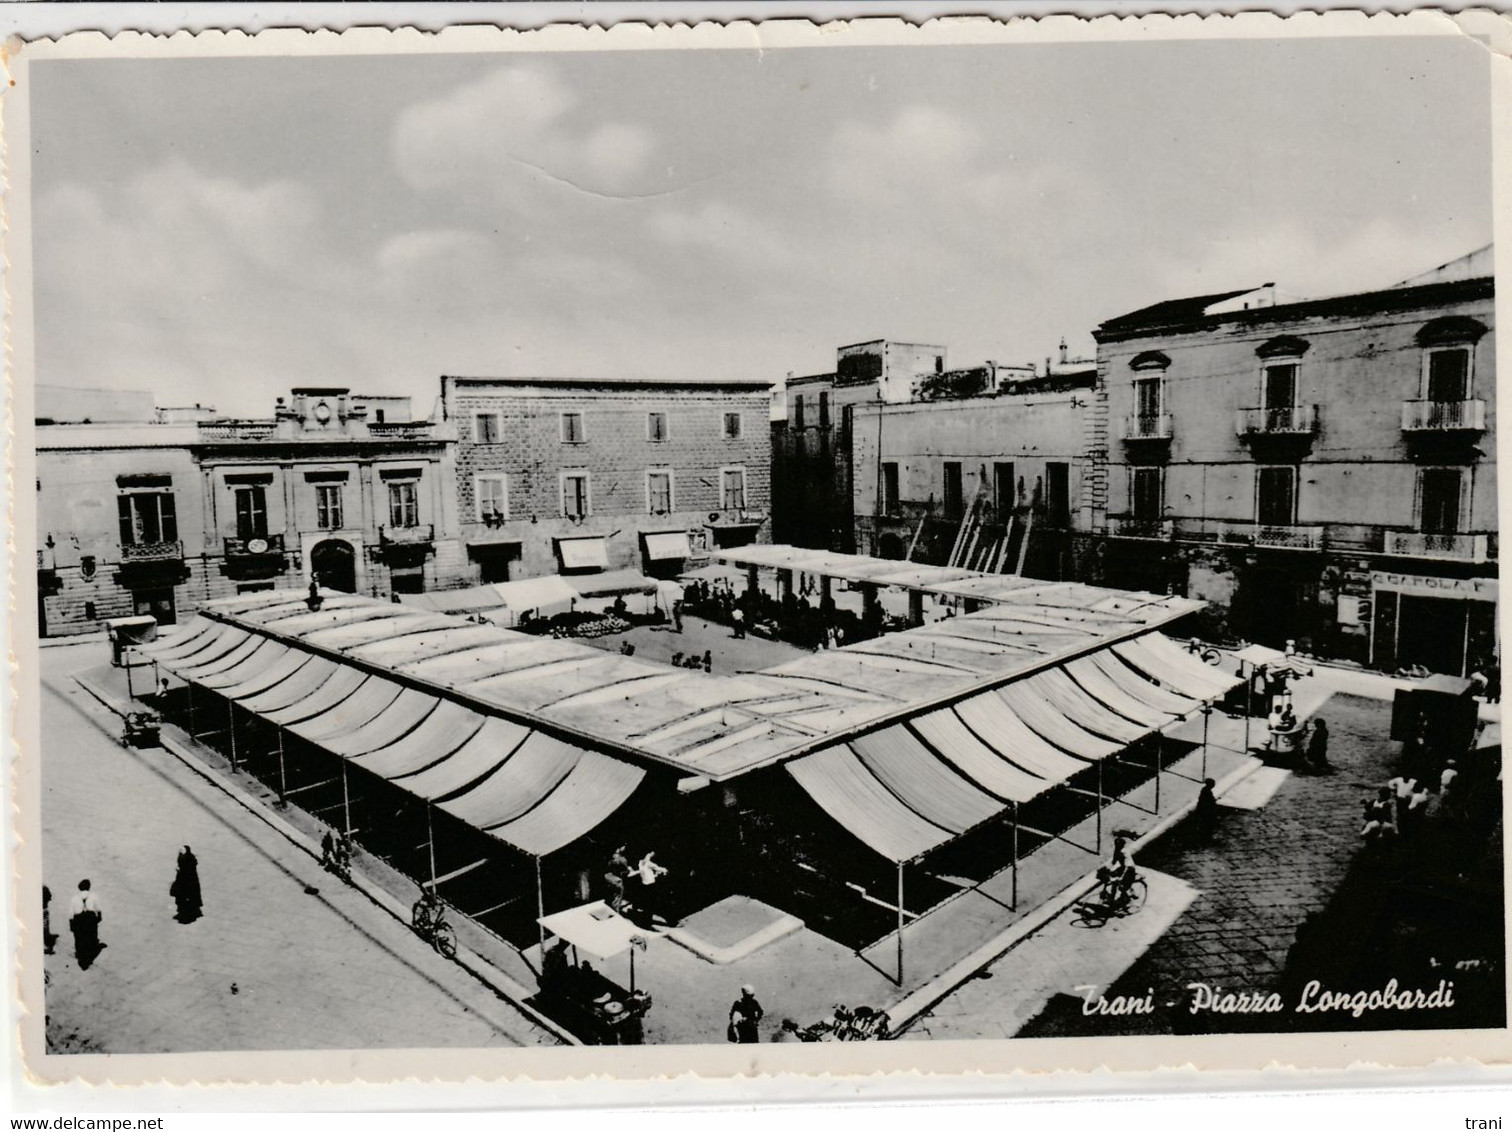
(576, 993)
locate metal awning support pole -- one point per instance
(1249, 704)
(632, 968)
(1159, 746)
(231, 729)
(1207, 714)
(346, 800)
(189, 686)
(1099, 806)
(541, 912)
(1015, 856)
(131, 693)
(283, 781)
(430, 844)
(900, 923)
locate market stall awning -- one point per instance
(360, 706)
(274, 674)
(493, 744)
(248, 665)
(612, 583)
(132, 630)
(592, 790)
(434, 739)
(990, 717)
(545, 592)
(1100, 686)
(1161, 658)
(408, 709)
(292, 689)
(197, 634)
(595, 929)
(714, 572)
(588, 553)
(520, 775)
(667, 544)
(857, 800)
(1259, 655)
(945, 732)
(922, 781)
(1063, 712)
(335, 684)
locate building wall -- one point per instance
(1029, 431)
(616, 451)
(86, 575)
(1358, 472)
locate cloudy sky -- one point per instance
(219, 231)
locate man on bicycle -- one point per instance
(427, 909)
(1118, 875)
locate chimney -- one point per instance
(1063, 351)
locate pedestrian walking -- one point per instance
(737, 619)
(49, 941)
(1317, 748)
(745, 1017)
(185, 888)
(1207, 810)
(84, 916)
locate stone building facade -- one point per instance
(1321, 471)
(158, 518)
(572, 475)
(991, 482)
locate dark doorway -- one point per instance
(155, 603)
(954, 503)
(1058, 494)
(409, 580)
(1273, 606)
(333, 563)
(1431, 632)
(890, 546)
(496, 561)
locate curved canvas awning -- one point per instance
(990, 717)
(594, 789)
(1132, 682)
(517, 778)
(204, 650)
(1162, 659)
(1098, 684)
(350, 712)
(268, 676)
(338, 683)
(944, 731)
(1065, 713)
(924, 782)
(402, 716)
(854, 797)
(297, 686)
(1051, 723)
(265, 655)
(442, 732)
(193, 636)
(493, 745)
(222, 655)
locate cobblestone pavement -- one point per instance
(270, 965)
(1265, 871)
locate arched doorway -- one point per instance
(333, 563)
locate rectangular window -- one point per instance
(572, 428)
(1439, 500)
(889, 488)
(1147, 398)
(1276, 496)
(1145, 500)
(824, 417)
(1058, 494)
(575, 500)
(1448, 377)
(328, 506)
(404, 503)
(797, 410)
(659, 492)
(732, 426)
(733, 493)
(1280, 386)
(486, 428)
(251, 513)
(1003, 494)
(491, 499)
(147, 517)
(953, 501)
(656, 427)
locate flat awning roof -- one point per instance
(588, 552)
(726, 724)
(661, 545)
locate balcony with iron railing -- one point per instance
(1452, 547)
(1443, 416)
(255, 547)
(1127, 526)
(236, 430)
(1138, 426)
(1290, 420)
(1272, 535)
(152, 551)
(417, 535)
(401, 430)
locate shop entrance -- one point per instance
(156, 603)
(333, 563)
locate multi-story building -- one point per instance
(811, 446)
(1322, 470)
(985, 474)
(157, 518)
(572, 475)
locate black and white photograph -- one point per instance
(939, 539)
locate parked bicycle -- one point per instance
(336, 856)
(428, 918)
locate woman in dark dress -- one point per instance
(185, 889)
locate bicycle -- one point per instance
(428, 918)
(1094, 913)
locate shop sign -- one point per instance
(1468, 589)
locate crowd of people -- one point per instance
(801, 616)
